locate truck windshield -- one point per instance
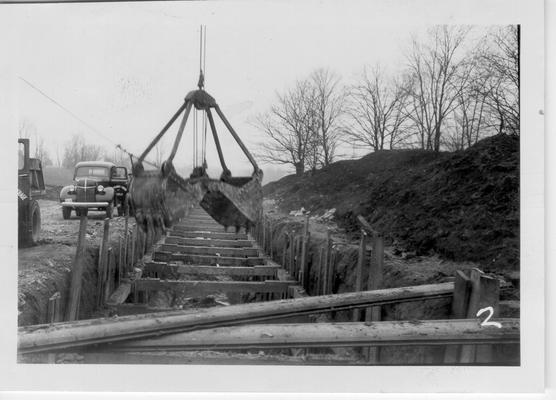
(92, 172)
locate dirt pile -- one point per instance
(462, 206)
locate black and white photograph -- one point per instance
(330, 190)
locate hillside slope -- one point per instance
(463, 205)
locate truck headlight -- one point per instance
(71, 189)
(100, 188)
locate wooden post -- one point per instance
(53, 311)
(103, 261)
(460, 301)
(297, 271)
(77, 272)
(376, 271)
(133, 240)
(485, 292)
(284, 250)
(356, 316)
(320, 271)
(331, 269)
(303, 268)
(270, 240)
(108, 276)
(374, 281)
(327, 256)
(126, 238)
(263, 243)
(292, 253)
(120, 261)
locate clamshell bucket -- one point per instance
(159, 197)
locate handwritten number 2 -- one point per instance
(487, 321)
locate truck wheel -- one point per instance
(34, 228)
(66, 212)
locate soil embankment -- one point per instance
(462, 206)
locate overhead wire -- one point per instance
(75, 116)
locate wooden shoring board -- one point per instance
(173, 269)
(209, 235)
(187, 225)
(386, 333)
(200, 228)
(200, 288)
(46, 337)
(207, 260)
(209, 251)
(208, 242)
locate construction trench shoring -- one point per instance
(197, 257)
(198, 247)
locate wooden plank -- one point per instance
(208, 242)
(326, 335)
(212, 358)
(199, 228)
(209, 235)
(198, 288)
(207, 260)
(77, 272)
(222, 251)
(65, 335)
(174, 269)
(120, 295)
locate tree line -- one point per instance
(453, 91)
(74, 150)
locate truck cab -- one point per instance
(98, 185)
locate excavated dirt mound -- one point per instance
(462, 205)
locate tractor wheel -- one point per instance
(34, 228)
(66, 212)
(109, 210)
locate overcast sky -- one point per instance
(124, 68)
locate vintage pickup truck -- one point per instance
(99, 185)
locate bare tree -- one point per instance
(376, 107)
(41, 151)
(328, 105)
(289, 126)
(26, 128)
(438, 73)
(77, 149)
(500, 62)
